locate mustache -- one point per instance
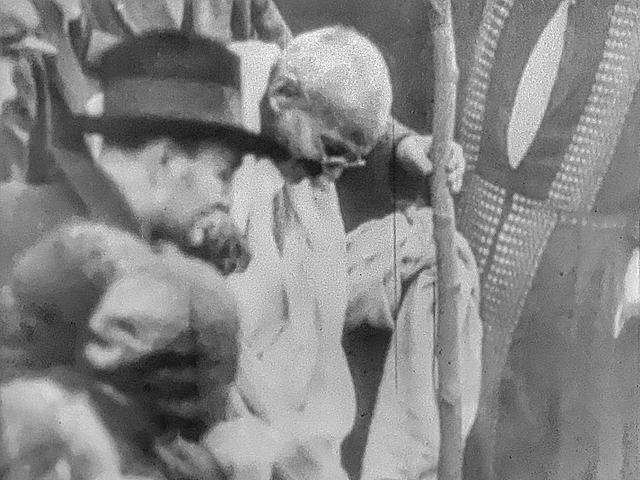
(316, 167)
(209, 235)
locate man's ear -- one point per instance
(285, 91)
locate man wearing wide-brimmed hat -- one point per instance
(80, 30)
(40, 138)
(175, 161)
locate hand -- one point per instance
(215, 238)
(414, 153)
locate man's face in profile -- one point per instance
(164, 178)
(182, 192)
(308, 129)
(328, 98)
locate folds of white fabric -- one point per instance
(404, 439)
(293, 376)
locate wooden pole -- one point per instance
(449, 385)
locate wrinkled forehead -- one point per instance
(345, 79)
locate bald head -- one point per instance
(344, 74)
(329, 95)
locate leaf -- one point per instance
(536, 85)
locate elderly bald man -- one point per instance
(328, 99)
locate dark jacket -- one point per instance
(371, 192)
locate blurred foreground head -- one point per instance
(329, 96)
(171, 122)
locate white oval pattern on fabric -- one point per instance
(536, 85)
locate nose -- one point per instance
(217, 240)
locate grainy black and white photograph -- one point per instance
(319, 239)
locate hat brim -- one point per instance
(132, 130)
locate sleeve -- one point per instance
(405, 159)
(399, 131)
(395, 132)
(382, 255)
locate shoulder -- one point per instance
(257, 59)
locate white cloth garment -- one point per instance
(293, 374)
(404, 437)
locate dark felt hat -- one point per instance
(176, 85)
